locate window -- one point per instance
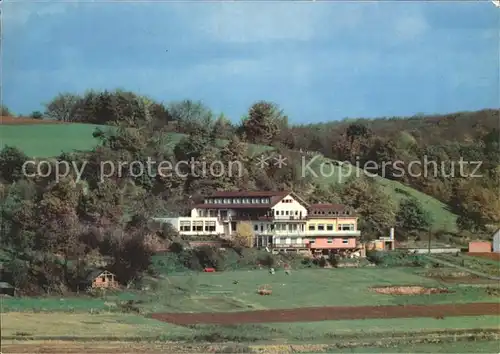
(261, 227)
(210, 226)
(312, 227)
(312, 241)
(286, 212)
(329, 227)
(256, 227)
(277, 212)
(237, 201)
(321, 227)
(277, 240)
(263, 200)
(346, 227)
(282, 212)
(198, 226)
(293, 227)
(255, 200)
(296, 212)
(330, 240)
(185, 226)
(345, 241)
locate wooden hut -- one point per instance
(100, 278)
(6, 289)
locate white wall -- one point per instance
(292, 207)
(176, 223)
(496, 241)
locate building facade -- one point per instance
(281, 221)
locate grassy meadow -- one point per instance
(215, 292)
(104, 323)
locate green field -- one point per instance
(484, 265)
(105, 319)
(215, 292)
(33, 140)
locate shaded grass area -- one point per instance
(86, 325)
(487, 266)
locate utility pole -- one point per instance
(430, 234)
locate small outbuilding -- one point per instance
(100, 278)
(6, 289)
(496, 241)
(479, 247)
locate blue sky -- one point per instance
(319, 61)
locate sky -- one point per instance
(319, 61)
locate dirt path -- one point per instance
(331, 313)
(450, 264)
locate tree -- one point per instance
(244, 235)
(476, 206)
(222, 128)
(411, 217)
(36, 115)
(11, 162)
(63, 107)
(5, 111)
(192, 117)
(357, 130)
(376, 210)
(263, 122)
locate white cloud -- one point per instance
(18, 13)
(267, 22)
(410, 27)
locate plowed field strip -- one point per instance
(331, 313)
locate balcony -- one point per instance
(289, 218)
(290, 245)
(337, 233)
(251, 218)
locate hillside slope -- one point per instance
(47, 140)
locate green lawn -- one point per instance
(215, 292)
(48, 140)
(319, 287)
